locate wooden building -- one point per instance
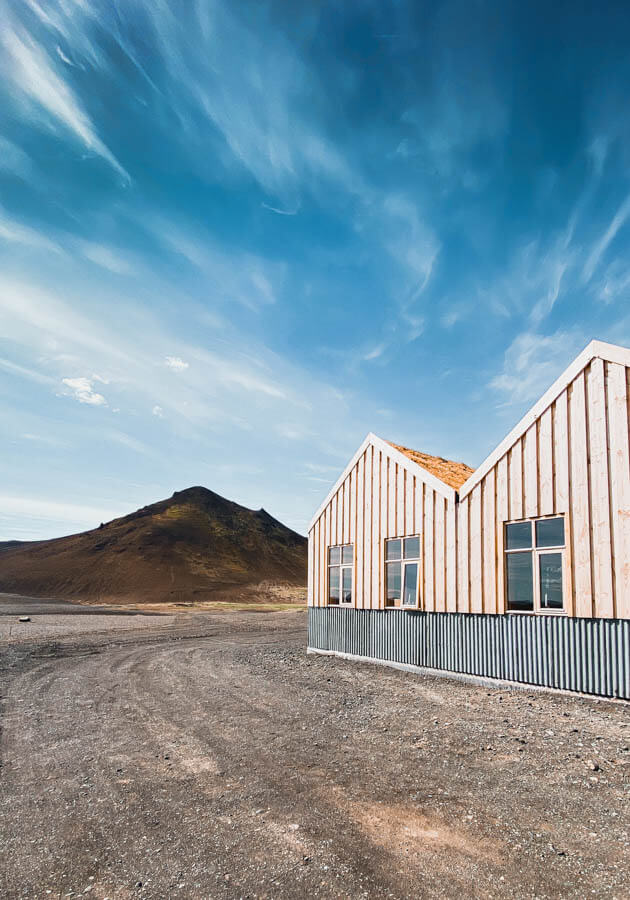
(518, 570)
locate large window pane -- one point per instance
(333, 584)
(410, 592)
(393, 583)
(520, 583)
(411, 549)
(346, 585)
(346, 554)
(392, 549)
(550, 565)
(550, 533)
(518, 536)
(334, 556)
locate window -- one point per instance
(534, 556)
(340, 560)
(402, 572)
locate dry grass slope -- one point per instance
(195, 546)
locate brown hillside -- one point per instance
(194, 546)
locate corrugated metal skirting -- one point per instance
(588, 655)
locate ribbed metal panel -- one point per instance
(588, 655)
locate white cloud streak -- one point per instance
(29, 69)
(532, 362)
(600, 247)
(13, 159)
(17, 233)
(39, 508)
(106, 258)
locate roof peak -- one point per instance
(451, 472)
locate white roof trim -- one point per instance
(609, 352)
(405, 461)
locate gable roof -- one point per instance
(596, 349)
(452, 473)
(434, 471)
(456, 479)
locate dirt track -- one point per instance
(210, 757)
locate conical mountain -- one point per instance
(194, 546)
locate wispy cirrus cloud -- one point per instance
(53, 510)
(30, 71)
(599, 249)
(13, 159)
(106, 257)
(17, 233)
(233, 276)
(533, 361)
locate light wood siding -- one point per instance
(573, 460)
(545, 463)
(502, 515)
(600, 491)
(579, 497)
(475, 560)
(359, 542)
(376, 550)
(451, 556)
(618, 429)
(429, 550)
(382, 497)
(530, 473)
(439, 542)
(489, 548)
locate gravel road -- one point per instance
(209, 756)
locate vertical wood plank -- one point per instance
(600, 487)
(309, 580)
(332, 539)
(376, 537)
(392, 485)
(530, 473)
(619, 428)
(360, 544)
(451, 556)
(420, 505)
(400, 500)
(383, 526)
(409, 517)
(321, 540)
(429, 583)
(561, 453)
(516, 481)
(545, 464)
(367, 529)
(476, 563)
(340, 505)
(463, 547)
(489, 599)
(440, 562)
(579, 496)
(326, 543)
(502, 515)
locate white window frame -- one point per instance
(341, 566)
(416, 560)
(536, 553)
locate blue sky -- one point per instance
(236, 237)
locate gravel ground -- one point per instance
(211, 757)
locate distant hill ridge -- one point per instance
(196, 545)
